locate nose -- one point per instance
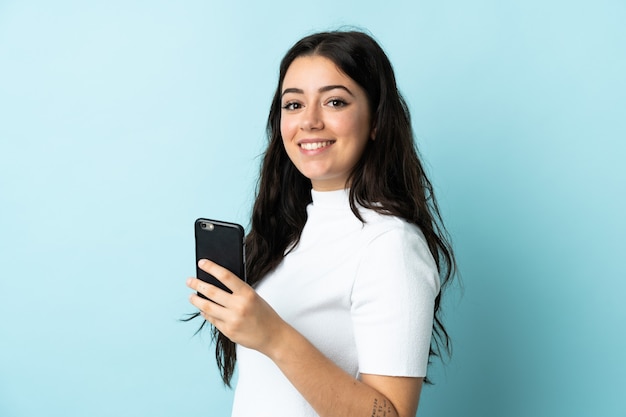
(311, 118)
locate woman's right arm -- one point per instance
(246, 319)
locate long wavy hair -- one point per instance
(389, 177)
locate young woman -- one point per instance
(346, 256)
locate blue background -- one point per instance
(121, 122)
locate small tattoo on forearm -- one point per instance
(381, 409)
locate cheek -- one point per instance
(355, 124)
(286, 128)
(287, 133)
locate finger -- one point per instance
(226, 277)
(198, 285)
(211, 311)
(213, 293)
(214, 321)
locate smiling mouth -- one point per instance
(311, 146)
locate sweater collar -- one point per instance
(331, 199)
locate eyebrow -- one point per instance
(321, 89)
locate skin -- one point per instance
(326, 111)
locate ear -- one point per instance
(373, 133)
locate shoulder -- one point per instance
(381, 227)
(398, 250)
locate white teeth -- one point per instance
(315, 145)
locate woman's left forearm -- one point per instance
(328, 388)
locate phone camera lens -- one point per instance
(207, 226)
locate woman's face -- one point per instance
(325, 121)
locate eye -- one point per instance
(291, 105)
(336, 102)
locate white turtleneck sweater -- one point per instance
(363, 294)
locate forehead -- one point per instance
(314, 70)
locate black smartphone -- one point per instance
(223, 243)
